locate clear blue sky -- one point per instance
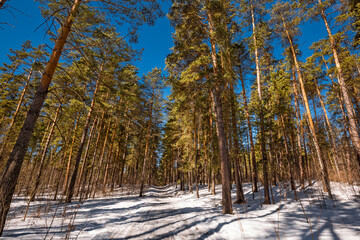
(22, 17)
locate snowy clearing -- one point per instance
(167, 213)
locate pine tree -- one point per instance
(208, 44)
(318, 9)
(256, 45)
(154, 81)
(12, 169)
(286, 22)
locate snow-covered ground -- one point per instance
(167, 213)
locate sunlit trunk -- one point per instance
(344, 89)
(12, 169)
(322, 163)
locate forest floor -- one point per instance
(168, 213)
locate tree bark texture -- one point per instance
(12, 169)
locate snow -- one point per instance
(168, 213)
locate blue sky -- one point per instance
(21, 18)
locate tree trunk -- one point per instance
(42, 161)
(4, 85)
(212, 150)
(225, 178)
(298, 131)
(213, 182)
(220, 130)
(330, 131)
(227, 137)
(68, 166)
(322, 163)
(146, 152)
(35, 159)
(99, 166)
(261, 115)
(351, 115)
(344, 119)
(238, 179)
(197, 155)
(109, 158)
(116, 168)
(62, 162)
(190, 183)
(307, 160)
(315, 114)
(11, 172)
(85, 164)
(288, 157)
(272, 160)
(124, 158)
(21, 99)
(86, 187)
(254, 174)
(70, 189)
